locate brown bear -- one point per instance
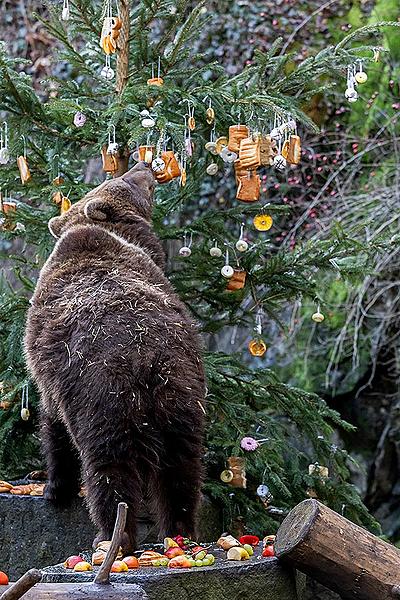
(116, 358)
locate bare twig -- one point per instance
(103, 576)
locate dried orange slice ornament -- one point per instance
(262, 222)
(257, 347)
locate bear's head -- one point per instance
(117, 204)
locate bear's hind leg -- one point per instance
(63, 465)
(110, 480)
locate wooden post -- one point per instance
(103, 576)
(123, 47)
(339, 554)
(20, 587)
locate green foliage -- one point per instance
(242, 400)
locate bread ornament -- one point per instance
(249, 187)
(236, 134)
(294, 150)
(236, 464)
(249, 152)
(24, 171)
(237, 281)
(110, 164)
(109, 34)
(267, 150)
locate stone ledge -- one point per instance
(36, 534)
(252, 580)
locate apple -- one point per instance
(3, 578)
(174, 551)
(170, 543)
(249, 549)
(131, 561)
(119, 566)
(72, 561)
(83, 566)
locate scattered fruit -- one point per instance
(174, 551)
(98, 558)
(253, 540)
(199, 555)
(180, 562)
(131, 562)
(268, 551)
(237, 553)
(3, 578)
(249, 549)
(198, 562)
(83, 566)
(119, 566)
(211, 558)
(170, 543)
(227, 541)
(72, 561)
(147, 557)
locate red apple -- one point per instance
(268, 551)
(3, 578)
(72, 561)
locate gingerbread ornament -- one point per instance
(237, 281)
(249, 152)
(236, 134)
(249, 187)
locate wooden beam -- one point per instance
(342, 556)
(20, 587)
(103, 576)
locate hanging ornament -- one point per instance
(267, 150)
(156, 81)
(227, 270)
(158, 165)
(212, 169)
(107, 72)
(376, 54)
(22, 163)
(65, 11)
(110, 164)
(236, 465)
(185, 251)
(249, 444)
(257, 346)
(241, 244)
(263, 222)
(8, 208)
(210, 113)
(350, 92)
(25, 414)
(249, 152)
(172, 168)
(187, 142)
(263, 491)
(221, 143)
(112, 147)
(4, 151)
(360, 75)
(65, 205)
(240, 171)
(249, 187)
(226, 476)
(236, 134)
(215, 251)
(58, 179)
(237, 281)
(227, 155)
(57, 198)
(294, 150)
(318, 317)
(191, 123)
(79, 119)
(110, 30)
(147, 119)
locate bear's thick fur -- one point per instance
(116, 359)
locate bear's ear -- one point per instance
(97, 209)
(55, 225)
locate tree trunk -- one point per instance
(339, 554)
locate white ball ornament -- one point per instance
(185, 251)
(148, 122)
(279, 162)
(25, 414)
(211, 147)
(112, 148)
(107, 73)
(361, 77)
(215, 252)
(227, 271)
(353, 98)
(318, 317)
(4, 156)
(263, 491)
(350, 93)
(158, 165)
(212, 169)
(242, 245)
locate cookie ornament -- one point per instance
(185, 250)
(156, 81)
(318, 317)
(241, 245)
(215, 251)
(227, 271)
(360, 76)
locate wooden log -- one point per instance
(342, 556)
(84, 591)
(20, 587)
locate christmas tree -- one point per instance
(137, 89)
